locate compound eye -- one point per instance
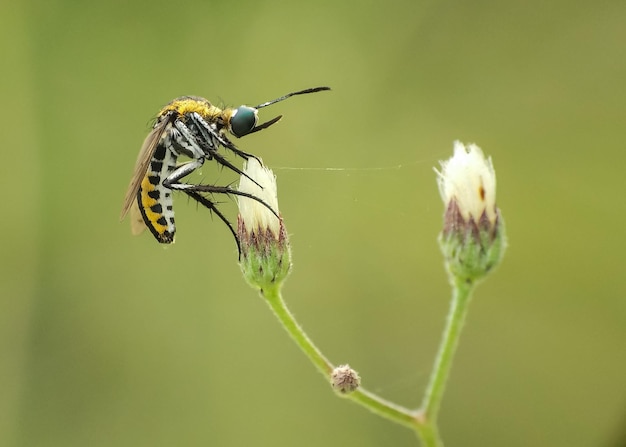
(243, 121)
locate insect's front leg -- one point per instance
(213, 136)
(184, 142)
(224, 141)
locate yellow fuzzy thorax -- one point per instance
(190, 104)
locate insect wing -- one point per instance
(137, 224)
(141, 166)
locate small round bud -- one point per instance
(344, 379)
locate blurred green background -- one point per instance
(111, 340)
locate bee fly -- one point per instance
(193, 127)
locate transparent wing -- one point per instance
(141, 166)
(137, 225)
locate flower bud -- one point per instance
(265, 254)
(344, 379)
(473, 238)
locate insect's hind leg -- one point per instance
(213, 208)
(172, 181)
(212, 189)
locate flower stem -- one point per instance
(461, 293)
(429, 435)
(384, 408)
(274, 298)
(361, 396)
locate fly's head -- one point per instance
(241, 121)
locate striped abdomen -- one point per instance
(154, 199)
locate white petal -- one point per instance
(255, 215)
(469, 178)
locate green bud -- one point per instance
(473, 238)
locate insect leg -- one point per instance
(212, 189)
(172, 181)
(213, 208)
(186, 143)
(183, 170)
(210, 132)
(206, 147)
(224, 141)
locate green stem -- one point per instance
(384, 408)
(429, 435)
(361, 396)
(275, 300)
(434, 392)
(423, 421)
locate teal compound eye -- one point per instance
(243, 120)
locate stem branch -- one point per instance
(361, 396)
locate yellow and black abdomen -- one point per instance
(155, 200)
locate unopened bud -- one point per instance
(265, 254)
(473, 238)
(344, 379)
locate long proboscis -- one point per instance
(267, 124)
(289, 95)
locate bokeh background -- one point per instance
(112, 340)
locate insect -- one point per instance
(193, 127)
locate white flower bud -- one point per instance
(265, 254)
(472, 239)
